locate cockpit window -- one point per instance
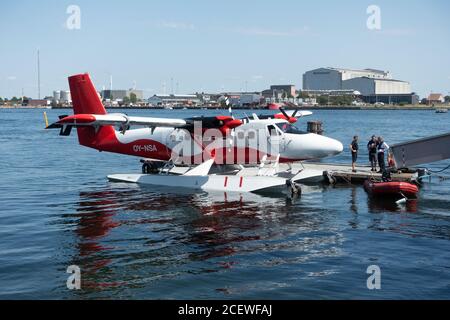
(272, 130)
(289, 128)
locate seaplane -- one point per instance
(218, 153)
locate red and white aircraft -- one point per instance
(192, 140)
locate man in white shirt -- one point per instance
(382, 148)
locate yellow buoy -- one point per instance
(45, 119)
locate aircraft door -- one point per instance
(276, 140)
(182, 144)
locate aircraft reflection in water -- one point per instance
(130, 237)
(142, 237)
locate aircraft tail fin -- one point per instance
(86, 100)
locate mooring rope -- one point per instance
(434, 172)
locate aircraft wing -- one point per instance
(66, 123)
(113, 119)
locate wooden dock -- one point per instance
(340, 173)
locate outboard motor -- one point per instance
(386, 176)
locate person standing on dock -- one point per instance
(372, 148)
(381, 149)
(354, 149)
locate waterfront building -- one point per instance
(240, 99)
(36, 102)
(436, 98)
(120, 94)
(138, 93)
(280, 91)
(114, 94)
(56, 96)
(173, 99)
(373, 85)
(333, 78)
(318, 93)
(65, 96)
(61, 97)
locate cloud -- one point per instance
(257, 77)
(176, 25)
(256, 31)
(12, 78)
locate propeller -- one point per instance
(292, 118)
(125, 126)
(284, 113)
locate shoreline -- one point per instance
(361, 108)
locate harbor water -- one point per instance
(57, 209)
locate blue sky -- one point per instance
(219, 45)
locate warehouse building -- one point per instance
(241, 99)
(114, 94)
(369, 86)
(333, 78)
(374, 85)
(278, 91)
(121, 94)
(138, 93)
(174, 100)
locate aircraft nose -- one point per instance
(313, 146)
(336, 147)
(331, 147)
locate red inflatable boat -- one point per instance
(391, 189)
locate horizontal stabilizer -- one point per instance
(65, 130)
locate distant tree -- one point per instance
(284, 95)
(14, 99)
(126, 100)
(341, 100)
(303, 95)
(1, 100)
(133, 98)
(322, 100)
(447, 99)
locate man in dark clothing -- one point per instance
(382, 148)
(372, 148)
(354, 149)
